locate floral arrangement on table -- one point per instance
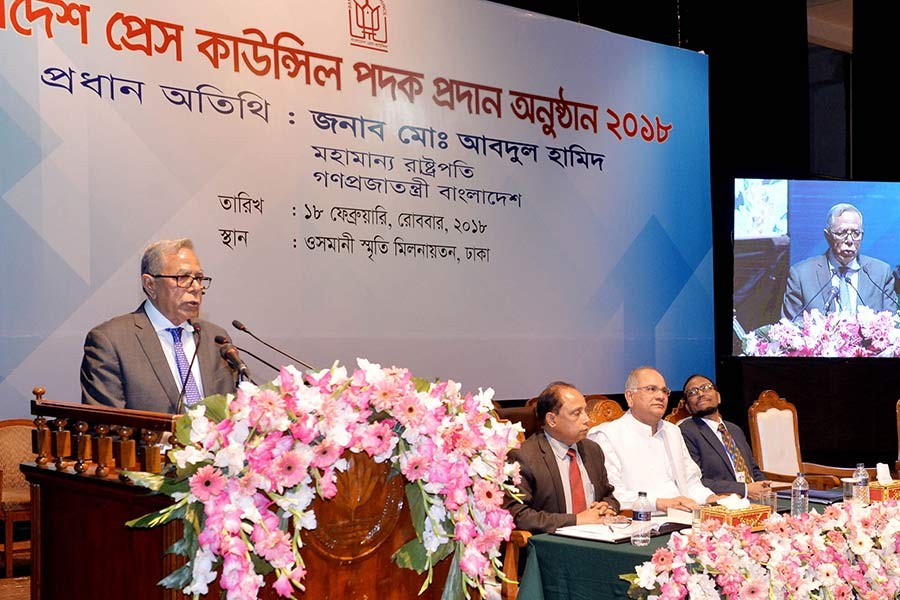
(246, 468)
(848, 551)
(867, 333)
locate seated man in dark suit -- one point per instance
(141, 360)
(718, 447)
(563, 474)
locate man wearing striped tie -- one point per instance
(717, 446)
(143, 360)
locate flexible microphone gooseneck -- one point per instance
(221, 340)
(817, 294)
(179, 406)
(883, 291)
(240, 327)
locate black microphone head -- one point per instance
(238, 325)
(221, 339)
(226, 350)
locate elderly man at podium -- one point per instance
(161, 357)
(842, 279)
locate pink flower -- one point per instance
(288, 470)
(206, 483)
(473, 562)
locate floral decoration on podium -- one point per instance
(247, 467)
(837, 334)
(848, 551)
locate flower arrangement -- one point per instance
(849, 551)
(246, 468)
(866, 333)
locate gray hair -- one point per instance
(155, 254)
(837, 210)
(632, 380)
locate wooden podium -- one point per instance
(81, 547)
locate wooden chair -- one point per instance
(15, 493)
(679, 413)
(897, 464)
(601, 409)
(776, 444)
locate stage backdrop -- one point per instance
(461, 188)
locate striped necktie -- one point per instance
(191, 392)
(737, 459)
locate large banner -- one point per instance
(464, 189)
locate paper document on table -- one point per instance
(616, 533)
(675, 515)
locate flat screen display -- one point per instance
(816, 266)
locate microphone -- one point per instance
(179, 405)
(884, 292)
(853, 287)
(230, 353)
(829, 298)
(221, 340)
(240, 327)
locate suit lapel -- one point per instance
(552, 467)
(714, 441)
(149, 341)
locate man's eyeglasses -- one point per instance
(186, 281)
(700, 388)
(853, 234)
(652, 389)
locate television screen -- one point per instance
(816, 268)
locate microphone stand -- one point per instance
(240, 327)
(884, 292)
(222, 340)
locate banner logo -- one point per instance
(368, 24)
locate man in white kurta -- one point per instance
(647, 454)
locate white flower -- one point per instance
(297, 499)
(305, 520)
(485, 399)
(199, 427)
(309, 400)
(203, 574)
(701, 587)
(231, 457)
(860, 543)
(646, 573)
(374, 373)
(190, 455)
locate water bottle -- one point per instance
(861, 493)
(640, 520)
(799, 496)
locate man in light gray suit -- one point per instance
(841, 279)
(141, 360)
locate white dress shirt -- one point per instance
(637, 460)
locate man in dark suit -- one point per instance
(841, 279)
(718, 447)
(141, 360)
(563, 474)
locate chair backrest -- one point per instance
(15, 448)
(601, 409)
(897, 464)
(774, 434)
(679, 413)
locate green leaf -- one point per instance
(260, 565)
(417, 506)
(178, 578)
(216, 407)
(150, 481)
(453, 588)
(422, 385)
(412, 555)
(442, 552)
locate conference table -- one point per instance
(566, 568)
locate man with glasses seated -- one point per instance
(842, 279)
(718, 447)
(142, 360)
(644, 453)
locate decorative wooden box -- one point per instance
(878, 492)
(754, 515)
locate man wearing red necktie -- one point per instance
(564, 479)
